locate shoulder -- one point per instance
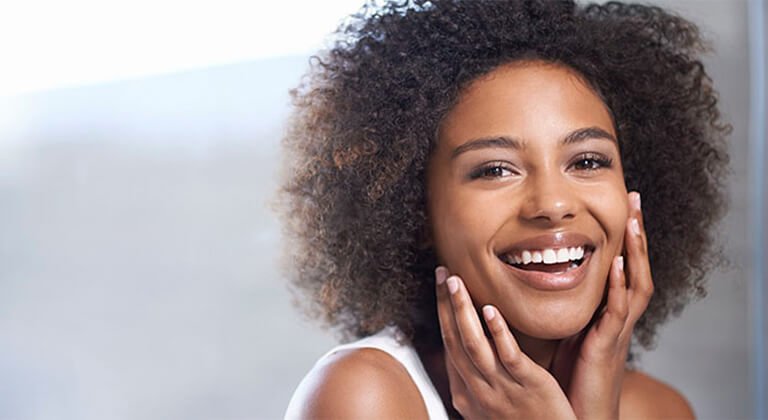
(358, 383)
(645, 397)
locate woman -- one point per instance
(464, 197)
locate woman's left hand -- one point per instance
(590, 366)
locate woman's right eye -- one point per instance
(491, 170)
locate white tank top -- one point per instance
(386, 341)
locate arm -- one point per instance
(644, 397)
(357, 384)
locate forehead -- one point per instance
(528, 100)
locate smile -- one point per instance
(549, 262)
(547, 256)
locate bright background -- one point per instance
(138, 258)
(48, 44)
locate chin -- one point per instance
(553, 324)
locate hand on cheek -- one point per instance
(593, 379)
(491, 379)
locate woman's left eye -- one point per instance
(592, 162)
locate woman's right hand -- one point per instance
(491, 379)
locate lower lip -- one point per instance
(552, 281)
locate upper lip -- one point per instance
(552, 241)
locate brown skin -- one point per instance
(363, 131)
(546, 187)
(345, 387)
(536, 362)
(360, 384)
(542, 188)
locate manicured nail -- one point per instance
(440, 274)
(636, 200)
(620, 262)
(488, 312)
(453, 284)
(635, 226)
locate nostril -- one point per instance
(552, 216)
(549, 208)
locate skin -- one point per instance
(541, 186)
(542, 353)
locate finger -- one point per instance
(638, 265)
(457, 384)
(514, 362)
(452, 339)
(476, 345)
(459, 393)
(614, 318)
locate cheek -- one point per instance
(614, 220)
(460, 228)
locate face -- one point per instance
(526, 196)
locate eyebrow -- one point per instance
(507, 142)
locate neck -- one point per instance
(539, 350)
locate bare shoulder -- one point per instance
(644, 397)
(357, 384)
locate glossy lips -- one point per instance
(541, 280)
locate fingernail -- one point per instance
(453, 284)
(440, 275)
(635, 226)
(636, 200)
(488, 312)
(620, 263)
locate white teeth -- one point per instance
(548, 256)
(527, 258)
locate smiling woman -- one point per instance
(464, 197)
(552, 189)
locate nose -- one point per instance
(548, 199)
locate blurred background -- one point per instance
(139, 144)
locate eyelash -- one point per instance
(595, 159)
(600, 160)
(483, 171)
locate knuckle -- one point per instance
(486, 402)
(472, 347)
(622, 310)
(459, 302)
(511, 360)
(647, 291)
(495, 328)
(460, 403)
(623, 314)
(615, 318)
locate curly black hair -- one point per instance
(365, 121)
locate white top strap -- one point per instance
(386, 340)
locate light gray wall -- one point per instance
(705, 353)
(138, 274)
